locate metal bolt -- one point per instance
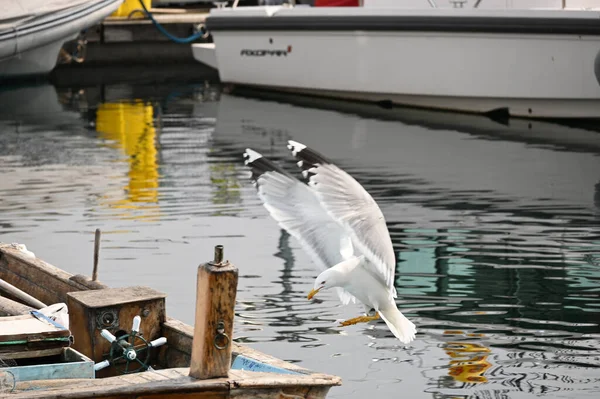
(218, 261)
(145, 312)
(218, 254)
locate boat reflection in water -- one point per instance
(469, 361)
(176, 154)
(439, 149)
(129, 127)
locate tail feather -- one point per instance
(401, 327)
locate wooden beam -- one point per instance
(175, 383)
(213, 331)
(20, 295)
(43, 281)
(8, 307)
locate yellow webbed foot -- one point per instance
(359, 319)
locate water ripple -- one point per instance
(497, 241)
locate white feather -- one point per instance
(352, 206)
(296, 209)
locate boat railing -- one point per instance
(461, 3)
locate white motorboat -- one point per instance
(527, 62)
(32, 32)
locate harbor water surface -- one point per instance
(495, 225)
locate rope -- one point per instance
(189, 39)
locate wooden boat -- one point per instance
(174, 360)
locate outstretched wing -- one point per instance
(296, 209)
(353, 207)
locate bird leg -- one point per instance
(359, 319)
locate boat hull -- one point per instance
(31, 47)
(523, 72)
(37, 61)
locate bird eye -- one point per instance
(323, 282)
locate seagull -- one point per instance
(341, 228)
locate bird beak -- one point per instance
(313, 293)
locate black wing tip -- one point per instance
(306, 154)
(307, 159)
(260, 165)
(251, 156)
(295, 147)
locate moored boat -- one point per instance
(32, 32)
(534, 63)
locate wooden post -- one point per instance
(213, 331)
(96, 254)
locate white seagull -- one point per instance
(342, 229)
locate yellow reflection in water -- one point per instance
(129, 125)
(468, 360)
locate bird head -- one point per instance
(329, 278)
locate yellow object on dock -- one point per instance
(130, 6)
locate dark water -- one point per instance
(496, 228)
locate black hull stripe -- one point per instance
(412, 23)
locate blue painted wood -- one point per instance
(245, 363)
(83, 367)
(52, 371)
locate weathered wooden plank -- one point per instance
(170, 357)
(87, 282)
(71, 355)
(251, 379)
(121, 387)
(37, 349)
(26, 336)
(8, 307)
(34, 353)
(241, 384)
(179, 337)
(188, 395)
(80, 327)
(77, 367)
(116, 296)
(285, 393)
(215, 303)
(39, 279)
